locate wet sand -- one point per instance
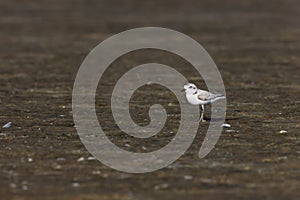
(256, 47)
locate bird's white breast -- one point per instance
(192, 99)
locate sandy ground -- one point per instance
(256, 46)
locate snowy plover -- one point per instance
(197, 96)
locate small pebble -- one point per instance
(96, 172)
(267, 160)
(57, 167)
(144, 148)
(75, 184)
(187, 177)
(282, 158)
(231, 131)
(7, 125)
(24, 187)
(29, 159)
(206, 180)
(283, 131)
(91, 158)
(162, 186)
(226, 125)
(80, 159)
(60, 159)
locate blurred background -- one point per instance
(255, 45)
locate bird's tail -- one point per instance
(218, 97)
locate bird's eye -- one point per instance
(190, 87)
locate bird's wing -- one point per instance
(203, 95)
(206, 96)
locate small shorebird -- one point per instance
(197, 96)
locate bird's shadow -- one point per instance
(209, 119)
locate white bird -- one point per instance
(197, 96)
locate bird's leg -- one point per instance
(202, 113)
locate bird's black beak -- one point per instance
(183, 90)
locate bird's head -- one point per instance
(190, 88)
